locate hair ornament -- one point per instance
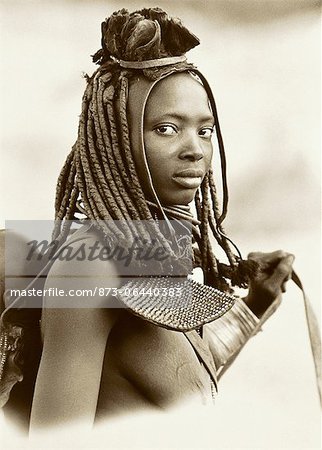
(143, 35)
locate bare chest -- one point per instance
(146, 365)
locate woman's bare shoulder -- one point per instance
(77, 301)
(84, 250)
(82, 272)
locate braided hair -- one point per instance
(100, 171)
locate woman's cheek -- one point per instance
(210, 157)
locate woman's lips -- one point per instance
(188, 182)
(189, 178)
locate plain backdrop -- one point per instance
(262, 58)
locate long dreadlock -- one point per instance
(100, 170)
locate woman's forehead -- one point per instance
(178, 94)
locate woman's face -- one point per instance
(178, 125)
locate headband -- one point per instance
(151, 62)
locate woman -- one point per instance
(144, 153)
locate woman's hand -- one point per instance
(275, 271)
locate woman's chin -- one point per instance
(183, 198)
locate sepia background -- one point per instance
(262, 58)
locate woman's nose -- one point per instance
(191, 148)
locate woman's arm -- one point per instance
(227, 335)
(70, 369)
(74, 341)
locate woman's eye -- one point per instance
(166, 130)
(206, 132)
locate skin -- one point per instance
(178, 126)
(98, 362)
(276, 270)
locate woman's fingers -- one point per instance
(276, 270)
(283, 270)
(268, 257)
(270, 261)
